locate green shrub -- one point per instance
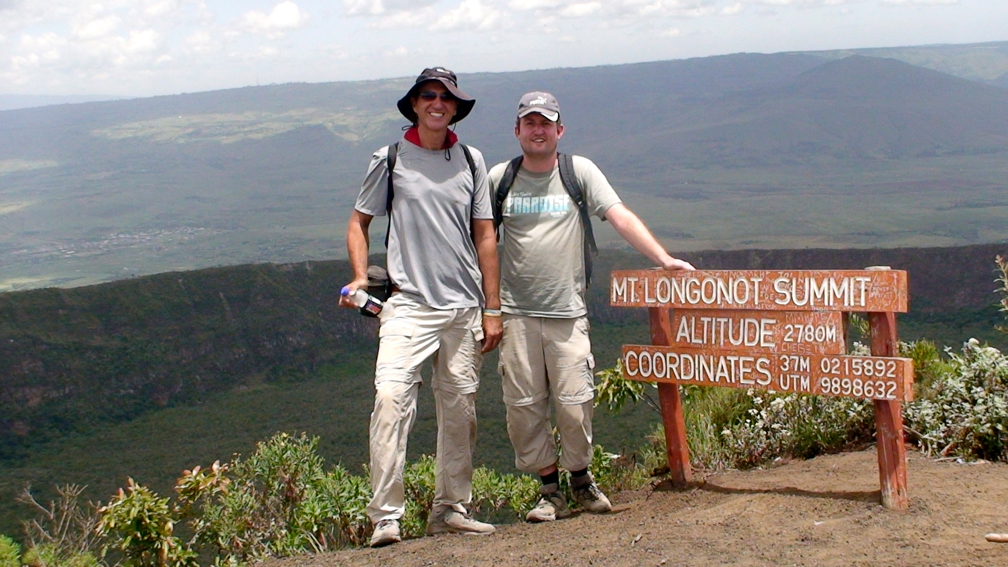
(48, 555)
(139, 524)
(495, 496)
(277, 502)
(10, 552)
(966, 412)
(929, 367)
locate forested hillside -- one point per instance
(71, 359)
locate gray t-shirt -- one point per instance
(431, 255)
(542, 257)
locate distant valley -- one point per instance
(900, 147)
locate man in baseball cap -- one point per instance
(542, 201)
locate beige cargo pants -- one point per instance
(413, 334)
(544, 360)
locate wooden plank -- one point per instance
(793, 332)
(889, 421)
(673, 419)
(865, 377)
(776, 290)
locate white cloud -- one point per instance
(364, 7)
(471, 14)
(525, 5)
(379, 7)
(921, 2)
(141, 41)
(160, 8)
(161, 46)
(34, 51)
(581, 10)
(284, 17)
(199, 42)
(96, 28)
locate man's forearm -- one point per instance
(358, 244)
(489, 265)
(633, 230)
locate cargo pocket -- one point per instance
(575, 382)
(395, 342)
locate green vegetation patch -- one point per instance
(351, 125)
(14, 165)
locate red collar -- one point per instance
(413, 136)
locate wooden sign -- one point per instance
(793, 290)
(867, 377)
(796, 332)
(772, 330)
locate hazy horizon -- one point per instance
(142, 48)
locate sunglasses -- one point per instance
(431, 95)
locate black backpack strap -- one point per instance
(573, 188)
(502, 190)
(472, 170)
(472, 164)
(390, 161)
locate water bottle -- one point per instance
(364, 300)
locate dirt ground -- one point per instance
(820, 512)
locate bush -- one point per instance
(48, 555)
(63, 532)
(139, 524)
(966, 412)
(10, 552)
(277, 502)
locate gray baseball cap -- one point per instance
(543, 103)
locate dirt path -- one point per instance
(821, 512)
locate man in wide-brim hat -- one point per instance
(442, 259)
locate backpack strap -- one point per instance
(472, 164)
(390, 161)
(503, 188)
(574, 189)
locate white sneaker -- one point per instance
(552, 505)
(452, 521)
(385, 532)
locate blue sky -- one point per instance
(156, 47)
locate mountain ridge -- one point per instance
(802, 143)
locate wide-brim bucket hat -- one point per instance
(446, 78)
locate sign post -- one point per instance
(772, 330)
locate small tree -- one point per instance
(63, 532)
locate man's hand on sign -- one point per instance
(676, 264)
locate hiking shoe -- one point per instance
(589, 497)
(385, 532)
(552, 505)
(452, 521)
